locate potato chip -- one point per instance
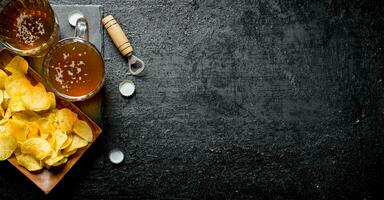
(37, 147)
(1, 96)
(16, 85)
(3, 76)
(69, 153)
(66, 118)
(26, 116)
(6, 99)
(60, 138)
(16, 104)
(29, 162)
(67, 142)
(60, 162)
(18, 129)
(77, 143)
(82, 129)
(48, 123)
(2, 112)
(36, 99)
(8, 145)
(53, 158)
(52, 99)
(6, 117)
(17, 65)
(33, 129)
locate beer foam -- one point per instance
(26, 30)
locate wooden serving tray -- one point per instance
(45, 179)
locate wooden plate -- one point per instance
(45, 179)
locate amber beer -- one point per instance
(28, 27)
(74, 68)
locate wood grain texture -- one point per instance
(241, 100)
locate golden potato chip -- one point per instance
(26, 116)
(6, 99)
(52, 99)
(16, 85)
(15, 104)
(29, 162)
(60, 138)
(3, 76)
(45, 127)
(33, 129)
(6, 117)
(1, 96)
(67, 142)
(82, 129)
(18, 129)
(8, 145)
(2, 112)
(66, 118)
(60, 162)
(53, 158)
(37, 147)
(77, 143)
(17, 65)
(36, 99)
(69, 153)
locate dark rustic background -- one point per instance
(242, 99)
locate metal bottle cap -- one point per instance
(74, 16)
(116, 156)
(127, 88)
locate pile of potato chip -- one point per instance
(30, 125)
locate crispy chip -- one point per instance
(3, 76)
(6, 99)
(33, 129)
(29, 162)
(6, 117)
(77, 143)
(17, 65)
(16, 85)
(66, 118)
(60, 138)
(26, 116)
(60, 162)
(67, 142)
(52, 100)
(69, 153)
(82, 129)
(36, 99)
(37, 147)
(18, 129)
(15, 104)
(53, 159)
(1, 96)
(2, 113)
(8, 145)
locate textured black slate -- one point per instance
(241, 100)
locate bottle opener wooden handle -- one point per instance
(122, 43)
(118, 36)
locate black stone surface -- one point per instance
(241, 100)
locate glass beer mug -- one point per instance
(74, 68)
(28, 27)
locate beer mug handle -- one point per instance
(81, 29)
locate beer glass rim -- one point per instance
(48, 57)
